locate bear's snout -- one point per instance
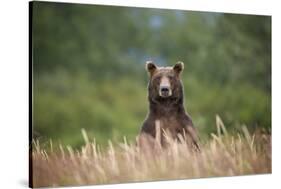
(165, 91)
(165, 88)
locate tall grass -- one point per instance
(223, 155)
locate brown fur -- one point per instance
(168, 112)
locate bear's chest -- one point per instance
(172, 124)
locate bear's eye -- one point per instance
(157, 79)
(171, 77)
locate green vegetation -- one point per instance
(88, 69)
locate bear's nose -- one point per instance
(164, 89)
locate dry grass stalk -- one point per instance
(222, 155)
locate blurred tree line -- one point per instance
(88, 68)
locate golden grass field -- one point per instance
(223, 155)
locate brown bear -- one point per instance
(166, 109)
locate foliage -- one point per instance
(88, 68)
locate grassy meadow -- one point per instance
(223, 155)
(89, 93)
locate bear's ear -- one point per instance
(150, 67)
(178, 67)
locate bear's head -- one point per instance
(165, 83)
